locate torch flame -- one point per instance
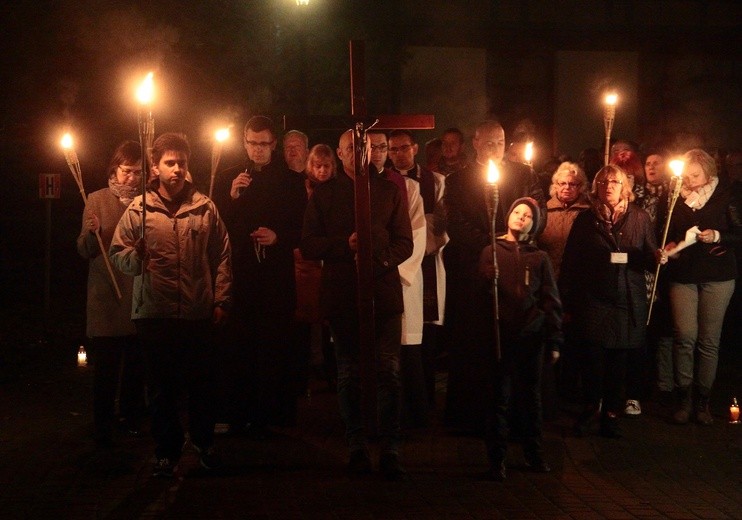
(677, 167)
(493, 174)
(528, 154)
(221, 135)
(66, 141)
(611, 99)
(145, 90)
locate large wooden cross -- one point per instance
(359, 122)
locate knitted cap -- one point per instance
(535, 209)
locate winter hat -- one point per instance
(535, 209)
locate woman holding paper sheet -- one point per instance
(701, 279)
(604, 291)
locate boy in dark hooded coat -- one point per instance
(530, 318)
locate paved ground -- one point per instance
(50, 469)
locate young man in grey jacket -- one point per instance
(182, 286)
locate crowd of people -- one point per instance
(230, 301)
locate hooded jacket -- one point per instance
(529, 303)
(189, 269)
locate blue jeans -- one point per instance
(698, 314)
(388, 331)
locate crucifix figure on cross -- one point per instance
(338, 230)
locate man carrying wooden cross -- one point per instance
(329, 234)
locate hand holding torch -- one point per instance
(74, 164)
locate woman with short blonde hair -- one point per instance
(702, 279)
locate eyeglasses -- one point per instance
(129, 172)
(259, 144)
(614, 182)
(568, 184)
(400, 149)
(380, 147)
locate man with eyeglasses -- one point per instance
(432, 275)
(264, 219)
(466, 200)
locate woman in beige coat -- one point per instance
(116, 355)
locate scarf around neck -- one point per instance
(609, 216)
(696, 199)
(124, 192)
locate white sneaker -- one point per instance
(632, 407)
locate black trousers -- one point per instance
(119, 368)
(179, 357)
(516, 377)
(603, 374)
(262, 370)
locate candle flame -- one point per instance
(66, 141)
(528, 154)
(493, 174)
(221, 135)
(611, 99)
(677, 167)
(145, 90)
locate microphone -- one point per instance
(248, 170)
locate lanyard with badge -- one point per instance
(619, 257)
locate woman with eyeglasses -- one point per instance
(113, 348)
(702, 279)
(603, 289)
(568, 192)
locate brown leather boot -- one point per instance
(703, 414)
(682, 414)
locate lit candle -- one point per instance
(82, 357)
(493, 174)
(220, 136)
(677, 167)
(144, 94)
(528, 154)
(734, 412)
(609, 116)
(145, 91)
(73, 162)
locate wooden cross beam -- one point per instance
(360, 122)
